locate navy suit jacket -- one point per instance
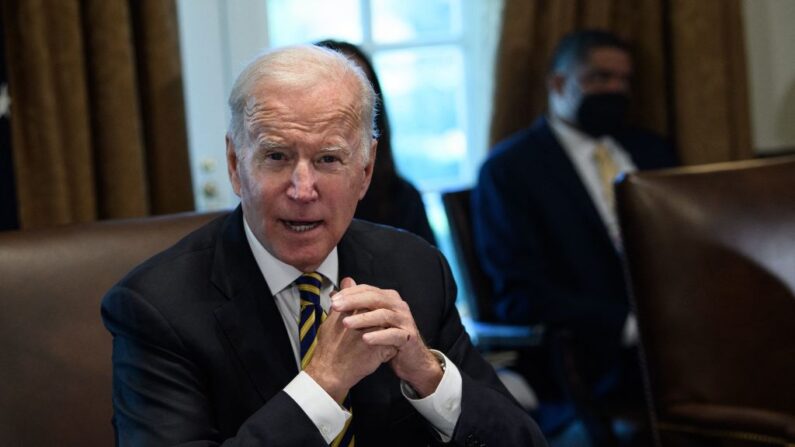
(542, 242)
(200, 352)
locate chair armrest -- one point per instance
(490, 336)
(730, 422)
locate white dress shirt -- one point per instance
(580, 147)
(442, 408)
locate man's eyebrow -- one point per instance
(340, 150)
(266, 142)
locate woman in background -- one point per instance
(391, 199)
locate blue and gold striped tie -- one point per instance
(312, 315)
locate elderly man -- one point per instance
(218, 339)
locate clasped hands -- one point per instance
(367, 326)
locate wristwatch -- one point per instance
(440, 359)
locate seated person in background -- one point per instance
(543, 209)
(391, 199)
(218, 340)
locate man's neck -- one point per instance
(279, 274)
(563, 126)
(567, 122)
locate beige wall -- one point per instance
(770, 40)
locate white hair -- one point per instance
(301, 67)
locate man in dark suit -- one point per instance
(545, 224)
(218, 339)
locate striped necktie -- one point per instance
(312, 315)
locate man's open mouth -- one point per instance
(300, 226)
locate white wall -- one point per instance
(217, 38)
(770, 40)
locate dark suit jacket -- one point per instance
(200, 352)
(542, 242)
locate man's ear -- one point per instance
(368, 169)
(231, 165)
(556, 82)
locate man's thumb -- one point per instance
(347, 282)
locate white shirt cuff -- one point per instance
(442, 407)
(630, 333)
(327, 415)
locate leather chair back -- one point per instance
(458, 207)
(483, 326)
(711, 257)
(55, 355)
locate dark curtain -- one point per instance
(690, 82)
(98, 127)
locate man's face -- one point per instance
(302, 171)
(607, 70)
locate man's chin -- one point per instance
(306, 258)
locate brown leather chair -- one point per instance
(55, 355)
(711, 256)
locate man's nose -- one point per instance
(618, 84)
(303, 183)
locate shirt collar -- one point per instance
(572, 138)
(279, 275)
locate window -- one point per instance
(420, 52)
(434, 59)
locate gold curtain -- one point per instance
(98, 120)
(690, 81)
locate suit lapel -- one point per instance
(640, 153)
(560, 170)
(357, 261)
(250, 319)
(354, 260)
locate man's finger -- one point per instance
(366, 297)
(369, 319)
(387, 337)
(387, 353)
(347, 282)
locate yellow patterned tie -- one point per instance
(608, 171)
(312, 315)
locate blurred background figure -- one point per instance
(548, 237)
(391, 199)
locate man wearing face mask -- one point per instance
(545, 224)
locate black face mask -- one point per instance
(602, 113)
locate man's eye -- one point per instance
(276, 156)
(328, 159)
